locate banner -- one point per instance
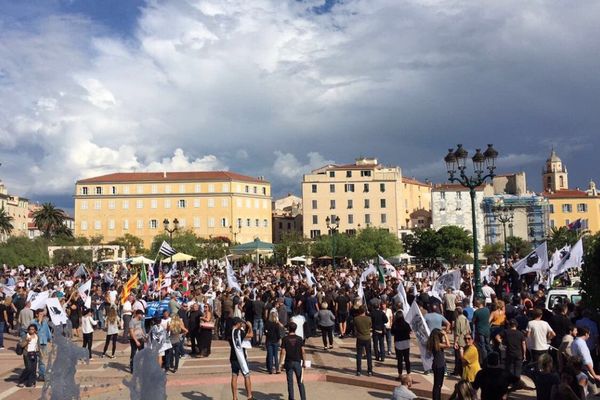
(448, 280)
(419, 327)
(84, 292)
(57, 314)
(232, 281)
(402, 294)
(537, 260)
(310, 278)
(571, 259)
(38, 300)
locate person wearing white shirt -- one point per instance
(580, 349)
(388, 327)
(87, 327)
(539, 334)
(487, 292)
(403, 391)
(126, 313)
(30, 353)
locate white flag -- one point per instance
(85, 293)
(572, 259)
(310, 278)
(370, 270)
(8, 291)
(56, 312)
(232, 281)
(537, 260)
(81, 271)
(247, 268)
(38, 300)
(419, 327)
(450, 279)
(402, 294)
(558, 256)
(361, 291)
(388, 267)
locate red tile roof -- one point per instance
(414, 181)
(567, 194)
(170, 177)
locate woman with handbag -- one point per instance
(206, 330)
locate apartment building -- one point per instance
(16, 207)
(362, 194)
(211, 204)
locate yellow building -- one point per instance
(569, 205)
(362, 194)
(16, 207)
(210, 204)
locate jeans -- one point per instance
(88, 338)
(99, 316)
(272, 356)
(535, 355)
(389, 341)
(167, 359)
(378, 346)
(2, 326)
(177, 353)
(259, 327)
(403, 355)
(30, 367)
(126, 320)
(294, 368)
(483, 345)
(312, 325)
(110, 338)
(360, 345)
(438, 382)
(513, 365)
(134, 349)
(327, 333)
(43, 356)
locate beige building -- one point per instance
(287, 217)
(217, 203)
(362, 194)
(16, 207)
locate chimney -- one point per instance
(165, 174)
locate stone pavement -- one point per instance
(331, 376)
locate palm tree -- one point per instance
(6, 225)
(48, 219)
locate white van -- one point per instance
(560, 295)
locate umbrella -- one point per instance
(139, 260)
(298, 259)
(179, 257)
(111, 261)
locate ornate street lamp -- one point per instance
(234, 232)
(456, 165)
(504, 215)
(171, 230)
(333, 227)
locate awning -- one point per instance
(298, 259)
(111, 261)
(254, 247)
(139, 260)
(179, 257)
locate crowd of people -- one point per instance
(489, 342)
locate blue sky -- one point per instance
(280, 87)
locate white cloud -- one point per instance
(181, 162)
(287, 166)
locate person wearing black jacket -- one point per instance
(401, 331)
(194, 328)
(379, 319)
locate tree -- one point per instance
(493, 251)
(560, 237)
(66, 256)
(454, 244)
(184, 241)
(590, 276)
(371, 242)
(48, 219)
(518, 246)
(423, 244)
(324, 245)
(132, 244)
(292, 245)
(22, 250)
(6, 226)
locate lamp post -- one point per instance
(234, 232)
(456, 161)
(504, 215)
(333, 226)
(171, 230)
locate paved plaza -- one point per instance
(331, 376)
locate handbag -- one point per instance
(19, 349)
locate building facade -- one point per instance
(16, 207)
(554, 175)
(363, 194)
(210, 204)
(287, 217)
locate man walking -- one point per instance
(481, 323)
(539, 334)
(362, 329)
(238, 357)
(44, 338)
(136, 335)
(292, 349)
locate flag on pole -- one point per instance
(131, 284)
(38, 300)
(232, 281)
(166, 249)
(389, 268)
(419, 327)
(246, 270)
(402, 295)
(537, 260)
(380, 275)
(186, 283)
(558, 256)
(310, 278)
(84, 292)
(450, 279)
(570, 260)
(81, 271)
(56, 311)
(370, 270)
(575, 225)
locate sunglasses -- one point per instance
(468, 338)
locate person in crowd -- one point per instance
(75, 307)
(463, 390)
(126, 313)
(177, 330)
(544, 377)
(362, 327)
(4, 324)
(449, 300)
(481, 326)
(401, 331)
(273, 331)
(469, 359)
(137, 335)
(44, 340)
(388, 327)
(379, 320)
(497, 322)
(588, 322)
(403, 391)
(30, 353)
(194, 321)
(98, 300)
(207, 325)
(493, 381)
(342, 309)
(539, 334)
(461, 330)
(311, 308)
(238, 357)
(326, 322)
(87, 327)
(300, 321)
(565, 351)
(580, 349)
(437, 344)
(435, 320)
(516, 347)
(159, 337)
(293, 358)
(25, 318)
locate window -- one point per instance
(256, 223)
(350, 218)
(459, 195)
(140, 224)
(225, 187)
(582, 207)
(167, 188)
(551, 223)
(84, 205)
(239, 222)
(332, 188)
(332, 174)
(383, 218)
(211, 203)
(567, 208)
(84, 190)
(551, 209)
(181, 203)
(349, 187)
(247, 189)
(167, 203)
(351, 232)
(443, 195)
(211, 222)
(280, 225)
(382, 187)
(254, 190)
(266, 224)
(153, 203)
(196, 222)
(211, 188)
(367, 218)
(181, 188)
(562, 181)
(365, 173)
(126, 189)
(196, 203)
(111, 224)
(264, 191)
(125, 204)
(248, 223)
(382, 203)
(97, 225)
(125, 224)
(350, 203)
(348, 174)
(139, 204)
(367, 203)
(585, 224)
(366, 188)
(154, 188)
(98, 189)
(197, 188)
(98, 204)
(84, 225)
(567, 222)
(315, 233)
(224, 223)
(315, 219)
(314, 204)
(111, 204)
(332, 204)
(139, 189)
(225, 203)
(314, 188)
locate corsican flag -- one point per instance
(389, 268)
(310, 278)
(81, 271)
(448, 280)
(246, 270)
(558, 256)
(56, 311)
(38, 300)
(232, 281)
(84, 292)
(370, 270)
(537, 260)
(572, 259)
(402, 294)
(166, 250)
(380, 275)
(419, 327)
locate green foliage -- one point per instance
(49, 219)
(185, 241)
(494, 251)
(560, 237)
(366, 244)
(590, 276)
(291, 245)
(6, 226)
(423, 244)
(518, 246)
(77, 255)
(132, 244)
(22, 250)
(450, 243)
